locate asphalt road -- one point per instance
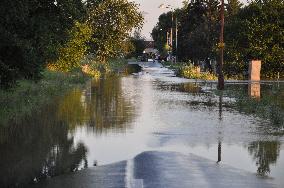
(156, 169)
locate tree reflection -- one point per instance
(108, 107)
(43, 146)
(103, 107)
(190, 87)
(37, 148)
(265, 153)
(72, 109)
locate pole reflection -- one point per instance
(220, 131)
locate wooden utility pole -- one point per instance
(221, 48)
(176, 39)
(172, 29)
(168, 43)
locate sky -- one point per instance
(151, 12)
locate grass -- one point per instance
(270, 106)
(27, 96)
(192, 72)
(117, 65)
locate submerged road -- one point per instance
(161, 168)
(157, 169)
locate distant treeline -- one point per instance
(252, 31)
(59, 33)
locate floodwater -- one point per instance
(118, 118)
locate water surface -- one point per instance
(117, 118)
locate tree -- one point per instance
(257, 32)
(71, 54)
(233, 7)
(112, 21)
(199, 32)
(34, 30)
(138, 43)
(159, 32)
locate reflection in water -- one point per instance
(101, 107)
(219, 152)
(254, 90)
(55, 140)
(44, 146)
(220, 132)
(269, 107)
(107, 106)
(38, 148)
(72, 109)
(265, 153)
(221, 106)
(192, 88)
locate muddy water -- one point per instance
(117, 118)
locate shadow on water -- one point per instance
(43, 146)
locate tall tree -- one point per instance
(138, 43)
(262, 37)
(112, 21)
(33, 30)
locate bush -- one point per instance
(28, 96)
(193, 72)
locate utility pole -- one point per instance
(172, 33)
(172, 28)
(168, 38)
(176, 39)
(221, 48)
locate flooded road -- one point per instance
(118, 118)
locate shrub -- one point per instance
(193, 72)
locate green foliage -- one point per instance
(29, 96)
(197, 30)
(60, 33)
(30, 34)
(192, 72)
(269, 106)
(254, 31)
(159, 32)
(138, 43)
(71, 55)
(112, 21)
(257, 32)
(117, 65)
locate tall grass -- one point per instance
(269, 107)
(192, 72)
(28, 96)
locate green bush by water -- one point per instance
(192, 72)
(269, 106)
(28, 96)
